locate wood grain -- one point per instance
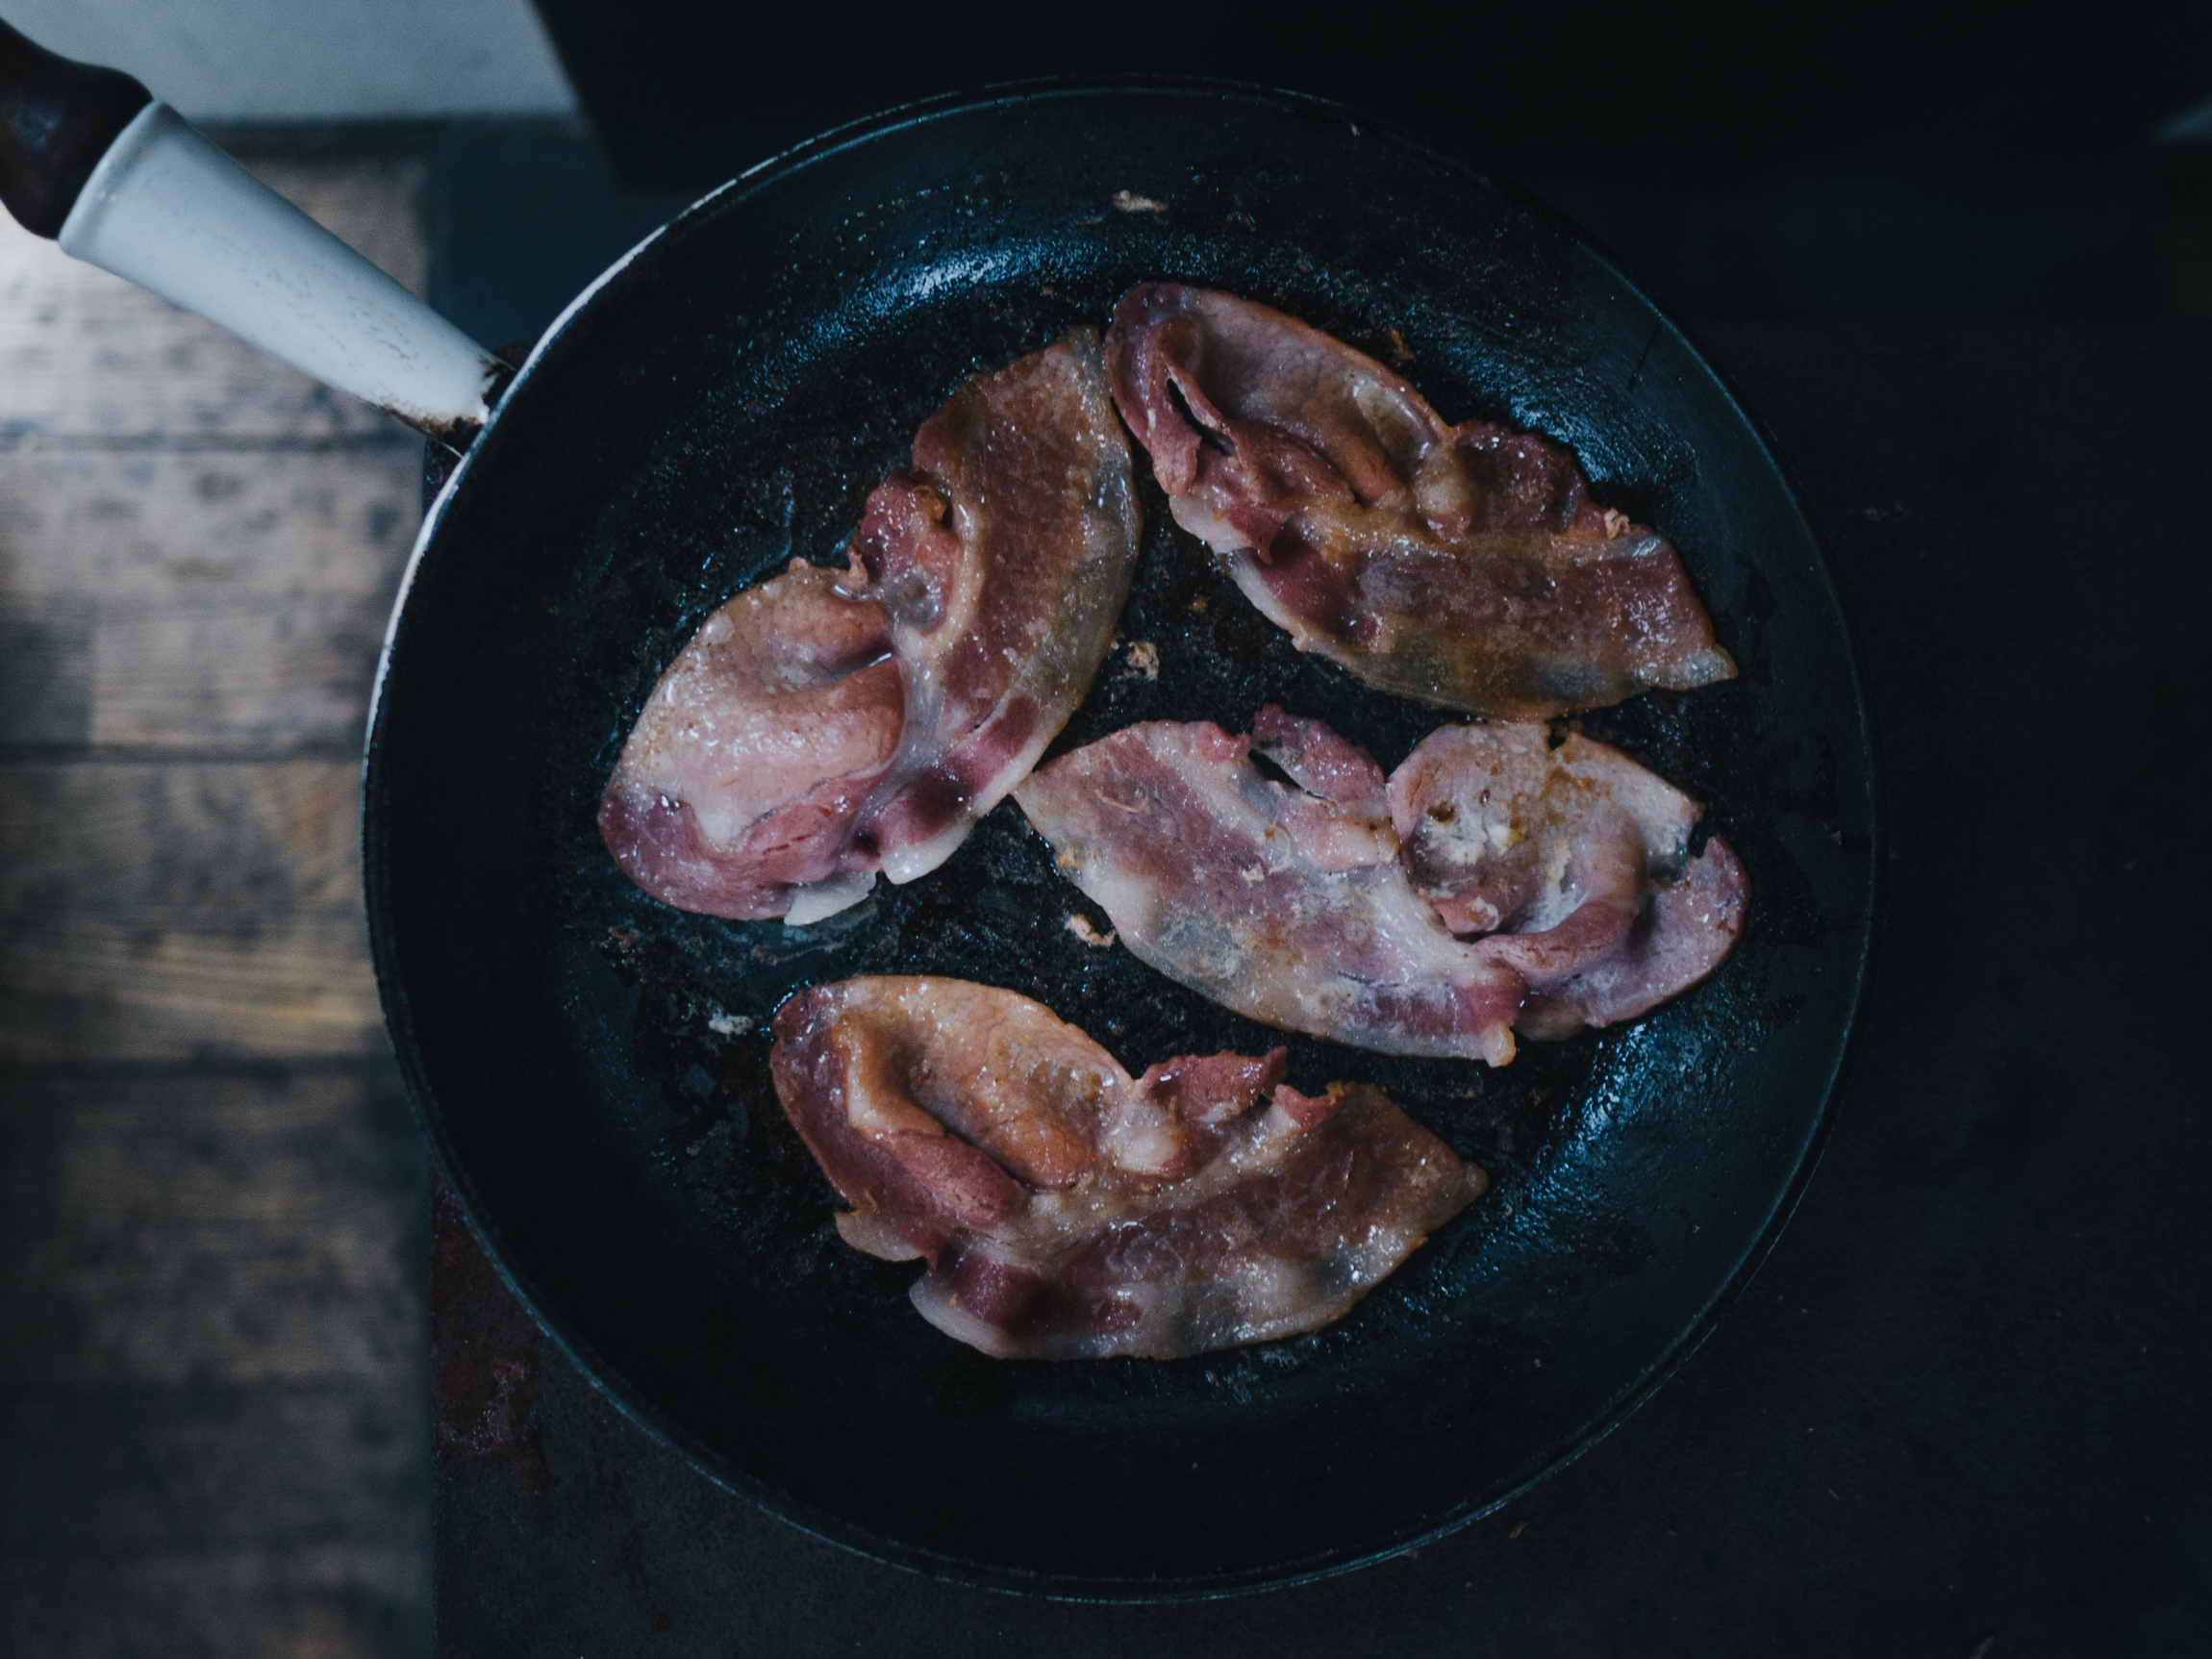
(211, 1231)
(230, 1467)
(45, 672)
(170, 597)
(160, 912)
(211, 1391)
(147, 528)
(212, 1430)
(260, 677)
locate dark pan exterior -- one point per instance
(722, 404)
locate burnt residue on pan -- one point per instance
(592, 1065)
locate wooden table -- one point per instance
(212, 1233)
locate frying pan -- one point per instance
(589, 1067)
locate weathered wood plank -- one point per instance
(84, 355)
(211, 1327)
(203, 1306)
(259, 675)
(211, 1290)
(113, 1470)
(45, 671)
(313, 1601)
(196, 600)
(152, 911)
(153, 528)
(281, 1149)
(140, 990)
(197, 845)
(210, 1231)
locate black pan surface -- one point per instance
(590, 1064)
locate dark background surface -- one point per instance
(1887, 160)
(1958, 1412)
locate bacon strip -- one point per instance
(1513, 887)
(1275, 901)
(1068, 1211)
(824, 724)
(1575, 861)
(1004, 557)
(1466, 566)
(742, 783)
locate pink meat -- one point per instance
(929, 1103)
(1573, 863)
(1685, 931)
(968, 1126)
(1466, 566)
(1004, 557)
(825, 725)
(1320, 763)
(1273, 900)
(744, 779)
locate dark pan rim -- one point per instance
(1076, 1587)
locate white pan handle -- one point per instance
(166, 210)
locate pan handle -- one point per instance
(89, 158)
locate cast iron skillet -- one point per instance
(589, 1063)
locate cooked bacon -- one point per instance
(1068, 1211)
(1575, 862)
(1515, 887)
(740, 786)
(824, 726)
(1276, 901)
(1466, 566)
(1004, 557)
